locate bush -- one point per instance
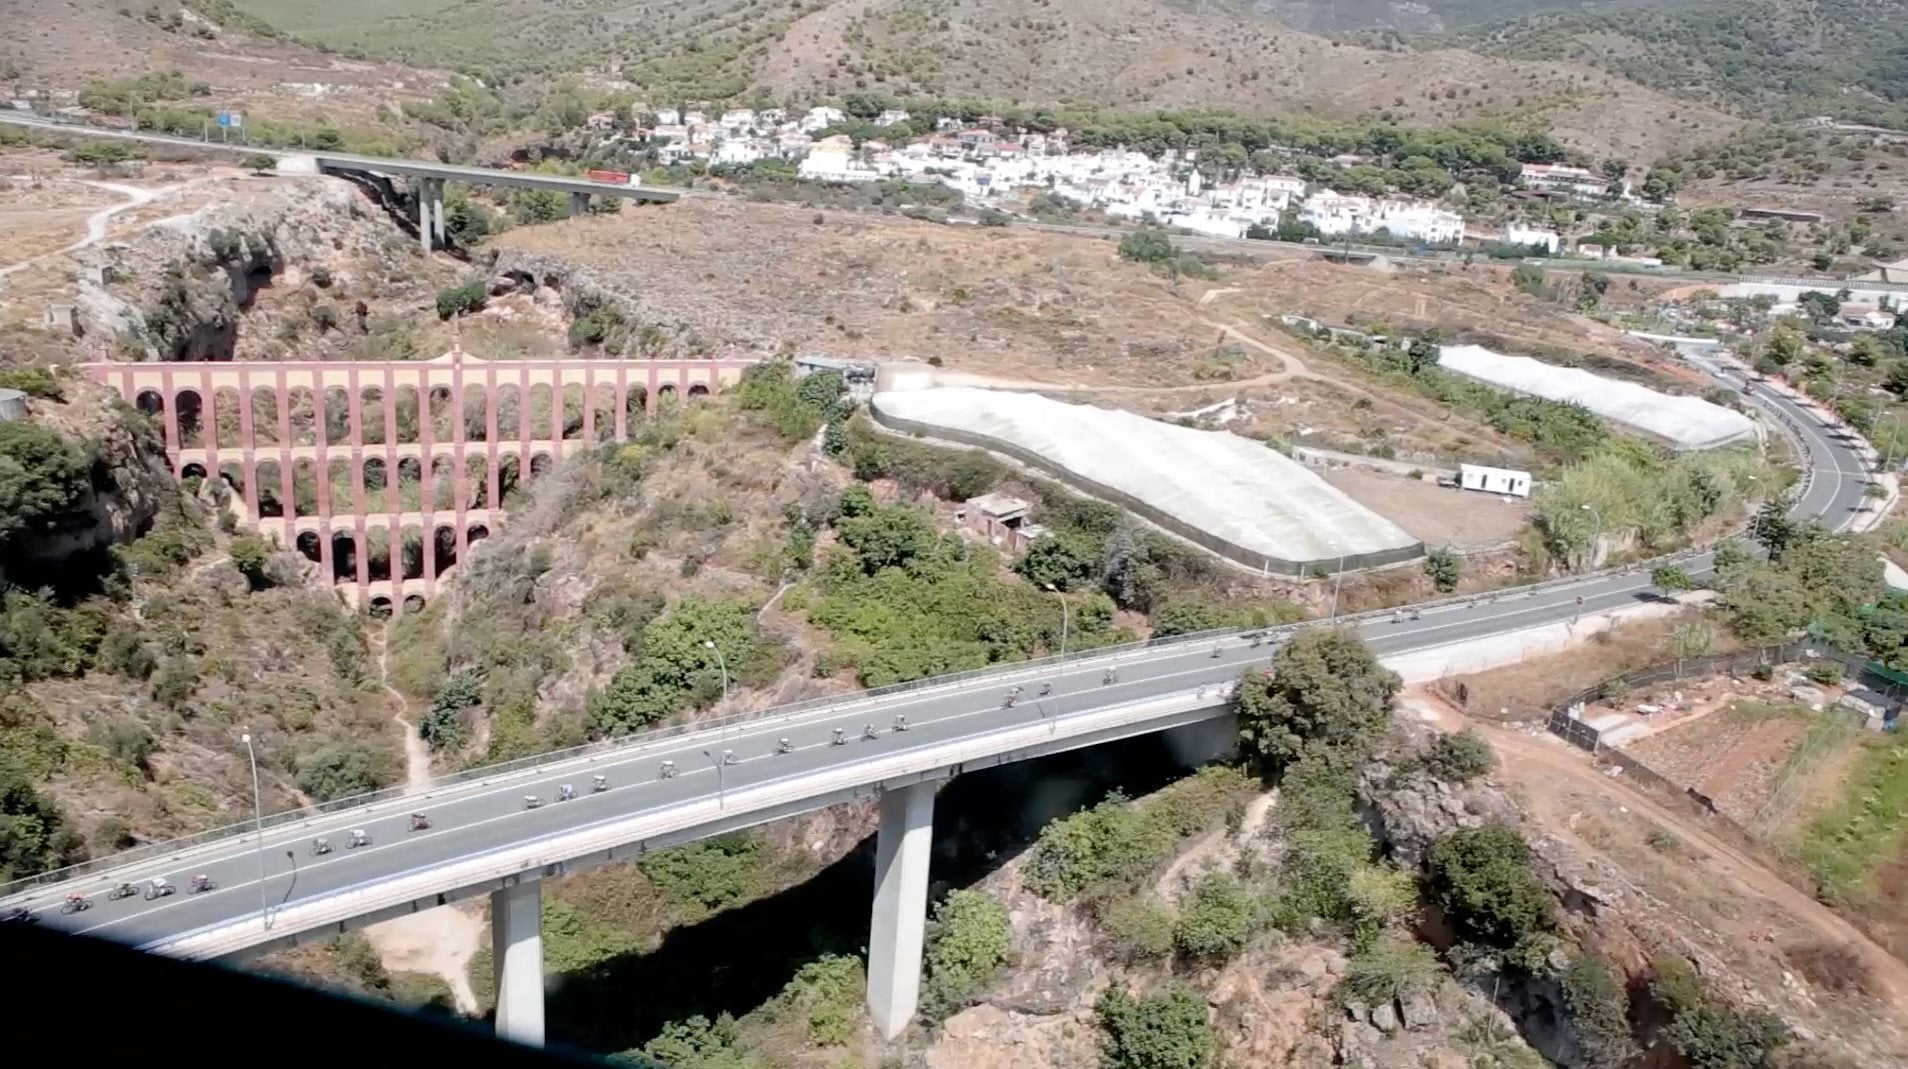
(1824, 671)
(1445, 568)
(1675, 983)
(260, 162)
(443, 723)
(1138, 928)
(252, 556)
(1387, 970)
(1326, 688)
(1215, 923)
(1716, 1037)
(1460, 757)
(1111, 843)
(1166, 1030)
(1599, 1014)
(343, 769)
(124, 739)
(45, 481)
(674, 665)
(1147, 247)
(32, 381)
(828, 993)
(967, 943)
(461, 300)
(1481, 878)
(709, 873)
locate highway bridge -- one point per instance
(894, 745)
(429, 174)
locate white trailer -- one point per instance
(1494, 480)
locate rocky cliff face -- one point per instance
(189, 287)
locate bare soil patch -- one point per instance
(1436, 514)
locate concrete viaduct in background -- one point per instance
(384, 472)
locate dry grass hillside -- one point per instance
(64, 44)
(1141, 53)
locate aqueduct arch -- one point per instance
(352, 453)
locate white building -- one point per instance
(1336, 213)
(1494, 480)
(1526, 236)
(668, 117)
(835, 165)
(890, 117)
(737, 119)
(740, 150)
(1557, 178)
(821, 118)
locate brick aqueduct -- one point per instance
(384, 473)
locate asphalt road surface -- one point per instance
(472, 818)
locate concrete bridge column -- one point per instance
(516, 948)
(898, 928)
(430, 210)
(579, 204)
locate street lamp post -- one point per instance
(1064, 616)
(719, 763)
(258, 828)
(709, 644)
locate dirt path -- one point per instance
(1542, 763)
(437, 941)
(417, 752)
(97, 223)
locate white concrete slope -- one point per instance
(273, 888)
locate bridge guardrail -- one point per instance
(632, 743)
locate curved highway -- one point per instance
(486, 817)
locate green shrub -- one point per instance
(462, 299)
(1389, 969)
(1599, 1014)
(1676, 984)
(1460, 757)
(828, 993)
(1137, 928)
(1717, 1037)
(1445, 568)
(252, 556)
(1215, 922)
(1482, 879)
(1326, 688)
(1165, 1030)
(443, 723)
(32, 381)
(967, 943)
(1147, 247)
(45, 481)
(709, 873)
(343, 769)
(1112, 842)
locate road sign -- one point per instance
(231, 119)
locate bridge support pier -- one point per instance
(516, 948)
(579, 204)
(430, 212)
(898, 928)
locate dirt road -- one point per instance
(1543, 763)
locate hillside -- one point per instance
(1782, 59)
(1036, 51)
(1333, 16)
(242, 62)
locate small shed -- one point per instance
(1494, 480)
(1000, 519)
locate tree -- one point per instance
(673, 664)
(1773, 527)
(1325, 688)
(1166, 1030)
(1216, 921)
(1599, 1014)
(1460, 757)
(967, 943)
(443, 723)
(259, 162)
(1481, 878)
(44, 480)
(1671, 579)
(1785, 345)
(1445, 568)
(1147, 247)
(33, 832)
(1528, 278)
(1691, 639)
(1765, 604)
(252, 556)
(1060, 562)
(1422, 353)
(889, 537)
(1716, 1037)
(340, 770)
(1590, 290)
